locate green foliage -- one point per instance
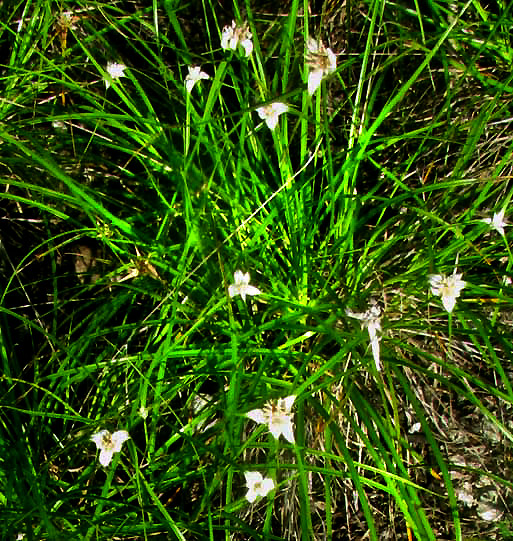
(129, 206)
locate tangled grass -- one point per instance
(134, 204)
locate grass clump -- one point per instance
(263, 265)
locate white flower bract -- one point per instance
(114, 71)
(234, 35)
(497, 222)
(371, 320)
(241, 286)
(108, 444)
(195, 74)
(277, 416)
(257, 485)
(270, 113)
(321, 62)
(447, 287)
(229, 38)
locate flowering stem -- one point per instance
(508, 268)
(229, 484)
(101, 501)
(187, 134)
(233, 431)
(304, 496)
(274, 452)
(450, 336)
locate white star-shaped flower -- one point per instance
(497, 222)
(257, 485)
(114, 71)
(447, 287)
(242, 286)
(270, 113)
(108, 444)
(195, 74)
(371, 320)
(277, 416)
(321, 62)
(234, 35)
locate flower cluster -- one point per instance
(448, 288)
(277, 416)
(234, 36)
(321, 62)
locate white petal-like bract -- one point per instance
(314, 80)
(257, 485)
(258, 416)
(108, 444)
(497, 222)
(195, 74)
(321, 62)
(114, 71)
(371, 320)
(270, 113)
(277, 416)
(241, 286)
(447, 287)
